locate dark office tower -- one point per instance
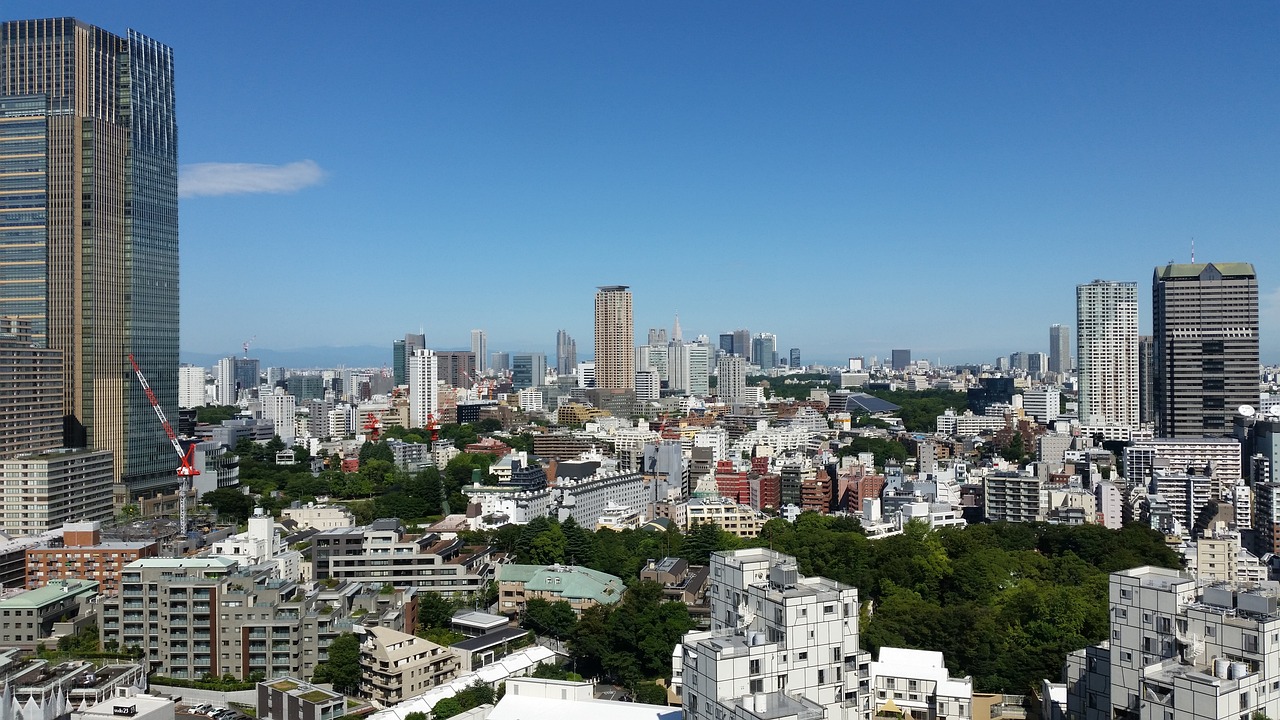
(901, 359)
(742, 344)
(500, 362)
(566, 353)
(1059, 349)
(89, 197)
(397, 363)
(726, 343)
(1146, 379)
(795, 358)
(401, 350)
(1205, 323)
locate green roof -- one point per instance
(1192, 270)
(571, 582)
(51, 593)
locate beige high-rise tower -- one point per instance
(615, 339)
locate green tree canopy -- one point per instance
(342, 666)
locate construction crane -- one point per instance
(185, 469)
(247, 343)
(434, 426)
(374, 426)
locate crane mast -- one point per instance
(185, 470)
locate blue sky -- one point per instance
(850, 176)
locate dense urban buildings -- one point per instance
(88, 121)
(615, 339)
(1107, 352)
(1205, 326)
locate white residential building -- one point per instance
(648, 386)
(1110, 504)
(1179, 649)
(1042, 403)
(588, 500)
(424, 391)
(191, 387)
(786, 646)
(916, 683)
(743, 521)
(530, 399)
(967, 424)
(280, 407)
(319, 517)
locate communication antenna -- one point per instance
(1193, 251)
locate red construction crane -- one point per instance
(434, 426)
(374, 426)
(185, 470)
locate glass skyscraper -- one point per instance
(89, 227)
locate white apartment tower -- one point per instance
(191, 386)
(1107, 352)
(615, 339)
(480, 348)
(424, 391)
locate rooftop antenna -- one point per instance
(1193, 251)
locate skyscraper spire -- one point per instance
(675, 331)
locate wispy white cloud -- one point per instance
(207, 179)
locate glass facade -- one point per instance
(89, 227)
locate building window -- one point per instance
(757, 685)
(755, 667)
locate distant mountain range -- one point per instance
(362, 356)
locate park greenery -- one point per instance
(920, 408)
(378, 489)
(1005, 603)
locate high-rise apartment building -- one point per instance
(1059, 349)
(1107, 352)
(88, 163)
(480, 348)
(566, 353)
(30, 398)
(901, 359)
(794, 361)
(424, 391)
(615, 339)
(731, 378)
(190, 386)
(1205, 326)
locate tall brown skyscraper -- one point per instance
(615, 339)
(89, 229)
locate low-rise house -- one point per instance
(581, 587)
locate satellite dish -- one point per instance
(1274, 411)
(1247, 410)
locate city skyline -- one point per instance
(1098, 139)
